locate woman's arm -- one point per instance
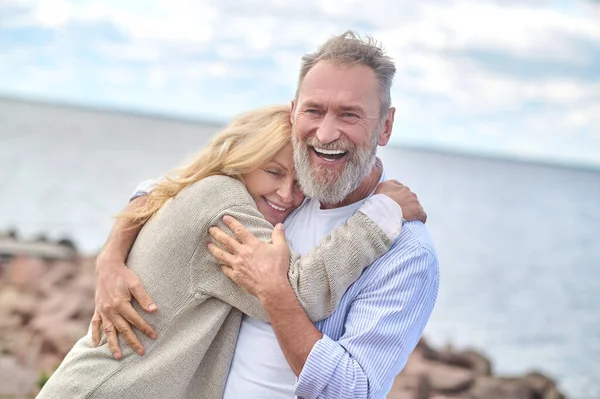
(318, 279)
(116, 285)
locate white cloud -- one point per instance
(470, 73)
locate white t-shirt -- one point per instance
(259, 368)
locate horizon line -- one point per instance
(216, 122)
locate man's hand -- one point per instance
(116, 284)
(258, 267)
(408, 201)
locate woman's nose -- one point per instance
(286, 192)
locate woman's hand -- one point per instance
(408, 201)
(116, 286)
(258, 267)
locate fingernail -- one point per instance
(279, 226)
(226, 218)
(118, 355)
(153, 335)
(152, 307)
(140, 352)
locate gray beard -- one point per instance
(324, 185)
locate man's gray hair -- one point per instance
(350, 49)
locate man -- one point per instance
(341, 113)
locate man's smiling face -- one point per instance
(336, 128)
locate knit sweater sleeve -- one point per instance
(319, 278)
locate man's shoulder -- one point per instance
(413, 236)
(412, 245)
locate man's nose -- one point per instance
(328, 131)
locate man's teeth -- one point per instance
(278, 208)
(329, 152)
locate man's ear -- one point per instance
(386, 130)
(292, 109)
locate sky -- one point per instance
(514, 78)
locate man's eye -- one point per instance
(312, 111)
(349, 115)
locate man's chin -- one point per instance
(325, 180)
(327, 172)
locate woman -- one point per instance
(247, 172)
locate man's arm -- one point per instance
(382, 328)
(295, 332)
(116, 285)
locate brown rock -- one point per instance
(553, 393)
(39, 248)
(16, 342)
(58, 335)
(17, 307)
(538, 382)
(48, 362)
(58, 275)
(469, 359)
(15, 314)
(480, 364)
(17, 380)
(442, 377)
(448, 379)
(62, 305)
(25, 273)
(423, 349)
(409, 387)
(501, 388)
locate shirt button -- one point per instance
(197, 295)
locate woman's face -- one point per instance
(273, 187)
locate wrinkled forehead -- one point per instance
(340, 86)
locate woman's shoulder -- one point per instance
(220, 183)
(219, 190)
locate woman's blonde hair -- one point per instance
(249, 141)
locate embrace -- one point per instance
(280, 263)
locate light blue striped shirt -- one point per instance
(378, 323)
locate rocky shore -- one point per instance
(46, 303)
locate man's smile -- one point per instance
(329, 155)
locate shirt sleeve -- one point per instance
(382, 328)
(385, 212)
(143, 188)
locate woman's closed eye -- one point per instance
(274, 172)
